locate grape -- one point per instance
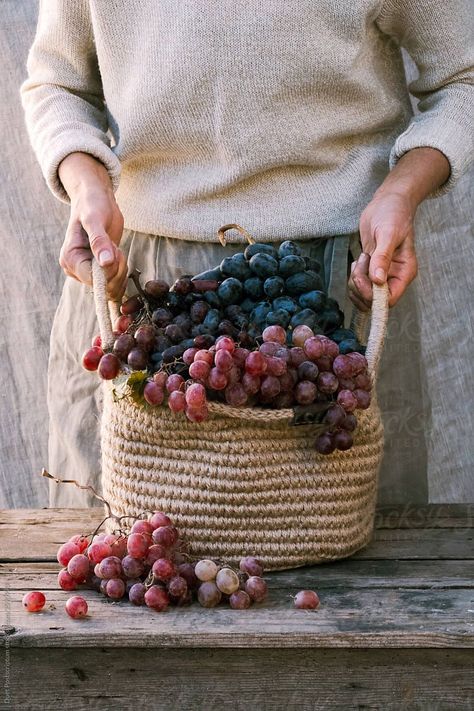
(97, 342)
(347, 400)
(205, 570)
(233, 376)
(78, 567)
(346, 384)
(276, 334)
(198, 311)
(306, 600)
(186, 571)
(335, 415)
(308, 370)
(324, 364)
(153, 394)
(205, 355)
(196, 396)
(305, 392)
(235, 395)
(159, 518)
(66, 552)
(92, 357)
(136, 594)
(160, 378)
(166, 536)
(276, 366)
(209, 595)
(225, 343)
(227, 581)
(109, 366)
(250, 383)
(110, 567)
(66, 581)
(343, 440)
(270, 386)
(362, 381)
(145, 337)
(343, 367)
(115, 588)
(143, 527)
(162, 317)
(331, 349)
(34, 601)
(200, 371)
(174, 333)
(297, 356)
(223, 360)
(188, 355)
(103, 587)
(175, 382)
(119, 545)
(217, 380)
(324, 444)
(137, 359)
(197, 415)
(156, 288)
(154, 552)
(256, 588)
(131, 306)
(240, 356)
(349, 423)
(94, 582)
(183, 285)
(164, 569)
(363, 398)
(251, 566)
(255, 363)
(177, 586)
(327, 383)
(123, 345)
(300, 335)
(177, 401)
(76, 607)
(359, 362)
(157, 598)
(314, 347)
(240, 600)
(137, 545)
(269, 348)
(122, 323)
(132, 567)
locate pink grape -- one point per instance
(305, 392)
(174, 382)
(132, 305)
(66, 552)
(250, 383)
(199, 370)
(225, 343)
(66, 581)
(343, 367)
(97, 342)
(109, 366)
(270, 386)
(119, 545)
(306, 600)
(188, 355)
(314, 348)
(347, 400)
(154, 552)
(300, 335)
(223, 360)
(153, 394)
(122, 323)
(33, 601)
(76, 607)
(255, 363)
(240, 356)
(166, 536)
(137, 545)
(160, 378)
(157, 598)
(115, 588)
(145, 337)
(110, 567)
(217, 380)
(143, 527)
(327, 383)
(136, 594)
(276, 334)
(78, 567)
(91, 358)
(256, 588)
(297, 356)
(177, 586)
(209, 594)
(196, 395)
(324, 444)
(363, 398)
(177, 401)
(251, 566)
(269, 348)
(197, 415)
(79, 540)
(164, 569)
(343, 440)
(159, 518)
(363, 381)
(359, 362)
(235, 395)
(132, 567)
(233, 376)
(276, 366)
(240, 600)
(331, 349)
(137, 359)
(349, 423)
(204, 355)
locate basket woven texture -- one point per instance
(244, 482)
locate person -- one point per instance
(160, 122)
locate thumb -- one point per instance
(381, 257)
(101, 245)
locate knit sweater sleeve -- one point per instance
(62, 96)
(439, 36)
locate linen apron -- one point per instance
(74, 394)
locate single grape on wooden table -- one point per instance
(34, 601)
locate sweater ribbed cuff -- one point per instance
(72, 141)
(443, 134)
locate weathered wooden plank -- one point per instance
(346, 575)
(267, 679)
(346, 618)
(54, 526)
(429, 516)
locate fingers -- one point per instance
(117, 285)
(403, 270)
(381, 258)
(103, 249)
(360, 286)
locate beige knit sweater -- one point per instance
(281, 115)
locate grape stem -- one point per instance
(47, 475)
(135, 277)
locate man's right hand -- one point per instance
(95, 224)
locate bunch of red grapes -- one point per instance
(148, 566)
(251, 332)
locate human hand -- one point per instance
(95, 225)
(387, 237)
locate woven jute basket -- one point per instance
(246, 481)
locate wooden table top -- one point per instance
(413, 586)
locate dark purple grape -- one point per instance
(324, 444)
(174, 333)
(162, 317)
(270, 387)
(136, 594)
(198, 311)
(183, 286)
(186, 571)
(327, 383)
(343, 440)
(156, 288)
(308, 371)
(363, 398)
(145, 337)
(123, 345)
(240, 600)
(205, 340)
(349, 423)
(335, 415)
(137, 359)
(305, 392)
